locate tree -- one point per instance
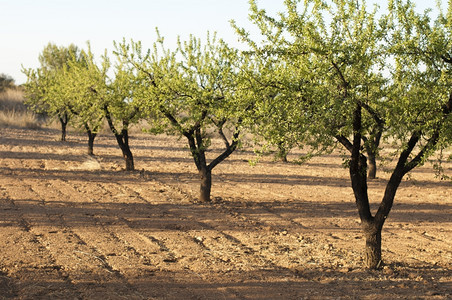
(80, 79)
(192, 90)
(42, 86)
(121, 108)
(71, 85)
(117, 99)
(6, 82)
(275, 122)
(364, 78)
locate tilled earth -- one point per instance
(77, 227)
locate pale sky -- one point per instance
(27, 26)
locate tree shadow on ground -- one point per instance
(401, 282)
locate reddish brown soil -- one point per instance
(74, 227)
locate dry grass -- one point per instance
(24, 119)
(12, 99)
(14, 113)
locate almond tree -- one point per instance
(121, 108)
(42, 86)
(81, 90)
(362, 80)
(79, 81)
(114, 99)
(192, 90)
(97, 96)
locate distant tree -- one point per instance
(275, 122)
(113, 99)
(42, 86)
(6, 82)
(121, 108)
(71, 86)
(79, 80)
(192, 90)
(362, 80)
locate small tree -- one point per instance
(363, 79)
(121, 108)
(192, 90)
(43, 85)
(80, 80)
(117, 98)
(275, 122)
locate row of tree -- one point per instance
(325, 74)
(189, 92)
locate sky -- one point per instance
(27, 26)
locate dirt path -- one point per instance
(75, 227)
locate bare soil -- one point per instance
(76, 227)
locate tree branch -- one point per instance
(219, 125)
(447, 58)
(345, 142)
(231, 148)
(358, 169)
(173, 121)
(432, 141)
(110, 121)
(338, 70)
(380, 121)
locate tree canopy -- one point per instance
(189, 92)
(350, 78)
(45, 88)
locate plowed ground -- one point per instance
(75, 227)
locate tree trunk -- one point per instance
(358, 175)
(197, 143)
(372, 165)
(122, 139)
(129, 160)
(372, 234)
(91, 137)
(282, 153)
(63, 121)
(123, 143)
(206, 184)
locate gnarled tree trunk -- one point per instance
(372, 166)
(206, 184)
(64, 119)
(128, 157)
(358, 175)
(281, 155)
(197, 147)
(91, 137)
(123, 142)
(372, 252)
(122, 139)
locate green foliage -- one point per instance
(45, 86)
(55, 58)
(421, 49)
(319, 61)
(123, 96)
(81, 82)
(333, 72)
(190, 92)
(192, 88)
